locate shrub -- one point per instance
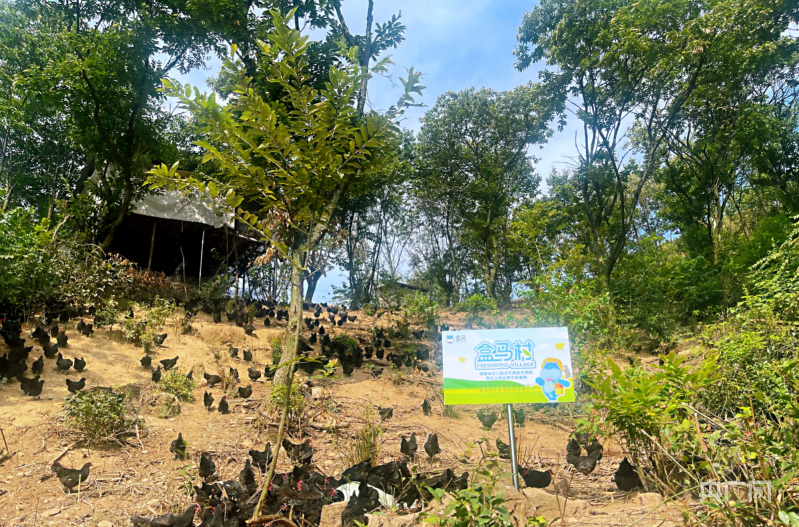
(175, 382)
(421, 309)
(147, 322)
(98, 414)
(477, 305)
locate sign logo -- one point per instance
(504, 354)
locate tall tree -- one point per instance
(294, 157)
(476, 144)
(629, 62)
(111, 58)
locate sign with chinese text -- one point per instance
(507, 366)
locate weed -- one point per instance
(365, 443)
(97, 415)
(176, 383)
(397, 376)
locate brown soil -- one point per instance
(139, 476)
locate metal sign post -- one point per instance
(513, 464)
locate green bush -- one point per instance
(147, 322)
(97, 415)
(477, 506)
(422, 309)
(26, 277)
(477, 304)
(175, 382)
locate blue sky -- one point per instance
(456, 44)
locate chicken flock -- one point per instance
(303, 490)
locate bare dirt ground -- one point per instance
(139, 475)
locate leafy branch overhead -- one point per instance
(288, 157)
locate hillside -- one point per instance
(138, 475)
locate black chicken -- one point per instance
(262, 459)
(178, 447)
(146, 361)
(301, 453)
(247, 355)
(156, 376)
(385, 413)
(50, 351)
(426, 408)
(63, 364)
(70, 477)
(34, 388)
(347, 368)
(573, 451)
(267, 322)
(38, 365)
(217, 317)
(595, 446)
(538, 479)
(487, 420)
(408, 447)
(245, 392)
(234, 374)
(247, 478)
(167, 520)
(503, 448)
(518, 416)
(87, 330)
(269, 372)
(352, 318)
(212, 380)
(208, 401)
(62, 340)
(431, 446)
(366, 501)
(587, 464)
(223, 405)
(626, 477)
(233, 352)
(54, 330)
(253, 374)
(76, 386)
(248, 329)
(158, 340)
(169, 363)
(207, 468)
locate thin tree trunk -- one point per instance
(152, 249)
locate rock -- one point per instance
(542, 503)
(167, 405)
(198, 370)
(331, 514)
(105, 523)
(517, 505)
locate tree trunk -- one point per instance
(152, 250)
(123, 212)
(285, 372)
(312, 280)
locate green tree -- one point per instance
(626, 63)
(475, 144)
(293, 158)
(107, 64)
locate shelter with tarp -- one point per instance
(182, 236)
